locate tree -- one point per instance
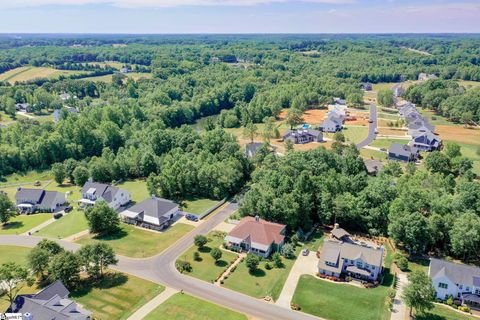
(402, 263)
(80, 175)
(196, 256)
(270, 130)
(294, 117)
(65, 267)
(70, 165)
(6, 206)
(419, 293)
(14, 277)
(183, 266)
(216, 254)
(288, 251)
(277, 259)
(250, 131)
(438, 162)
(288, 146)
(96, 257)
(117, 78)
(50, 246)
(200, 241)
(392, 168)
(38, 260)
(453, 150)
(102, 219)
(385, 98)
(58, 170)
(410, 229)
(465, 236)
(252, 261)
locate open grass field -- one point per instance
(198, 206)
(473, 153)
(113, 64)
(117, 296)
(353, 134)
(30, 176)
(70, 224)
(206, 269)
(108, 78)
(459, 134)
(139, 243)
(373, 154)
(185, 307)
(436, 119)
(386, 143)
(29, 73)
(5, 118)
(262, 282)
(440, 312)
(137, 188)
(15, 254)
(469, 84)
(21, 224)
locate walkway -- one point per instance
(76, 236)
(303, 265)
(229, 269)
(153, 304)
(39, 227)
(371, 128)
(399, 311)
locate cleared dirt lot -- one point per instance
(314, 116)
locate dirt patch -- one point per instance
(314, 116)
(459, 134)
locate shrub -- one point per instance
(216, 254)
(196, 256)
(464, 309)
(277, 260)
(268, 266)
(450, 301)
(200, 241)
(233, 269)
(288, 251)
(252, 262)
(183, 266)
(402, 263)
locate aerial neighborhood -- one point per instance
(239, 176)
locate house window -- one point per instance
(442, 285)
(373, 267)
(477, 291)
(460, 287)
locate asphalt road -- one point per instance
(161, 269)
(371, 128)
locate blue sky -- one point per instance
(239, 16)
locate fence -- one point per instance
(210, 210)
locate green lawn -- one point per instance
(21, 224)
(386, 143)
(353, 134)
(262, 282)
(373, 154)
(13, 253)
(435, 119)
(470, 151)
(440, 312)
(138, 243)
(198, 206)
(68, 225)
(388, 116)
(185, 307)
(206, 269)
(117, 296)
(314, 242)
(137, 188)
(30, 176)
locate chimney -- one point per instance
(257, 218)
(90, 179)
(336, 226)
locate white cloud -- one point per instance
(155, 3)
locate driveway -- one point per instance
(399, 311)
(371, 128)
(303, 265)
(161, 269)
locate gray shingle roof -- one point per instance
(106, 191)
(402, 149)
(154, 207)
(37, 196)
(456, 272)
(251, 148)
(339, 233)
(55, 288)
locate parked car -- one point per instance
(68, 209)
(370, 121)
(191, 217)
(383, 149)
(37, 184)
(305, 252)
(57, 216)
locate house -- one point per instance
(256, 235)
(348, 258)
(252, 148)
(457, 280)
(425, 77)
(406, 108)
(50, 303)
(64, 96)
(125, 70)
(402, 152)
(333, 123)
(24, 107)
(113, 196)
(30, 200)
(153, 213)
(337, 110)
(420, 124)
(426, 141)
(301, 136)
(366, 86)
(340, 233)
(373, 166)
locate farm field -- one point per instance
(29, 73)
(206, 269)
(108, 78)
(185, 307)
(469, 84)
(24, 223)
(135, 242)
(70, 224)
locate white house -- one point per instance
(457, 280)
(113, 196)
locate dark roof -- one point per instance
(37, 196)
(252, 147)
(106, 191)
(373, 165)
(456, 272)
(339, 233)
(301, 132)
(427, 138)
(402, 149)
(55, 288)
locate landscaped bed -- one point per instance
(205, 268)
(185, 307)
(24, 223)
(70, 224)
(135, 242)
(440, 312)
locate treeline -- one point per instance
(422, 211)
(447, 98)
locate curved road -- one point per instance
(371, 128)
(161, 269)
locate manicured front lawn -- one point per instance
(198, 206)
(21, 224)
(373, 154)
(206, 269)
(444, 313)
(386, 143)
(185, 307)
(68, 225)
(138, 243)
(262, 282)
(14, 254)
(117, 296)
(336, 301)
(353, 134)
(137, 188)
